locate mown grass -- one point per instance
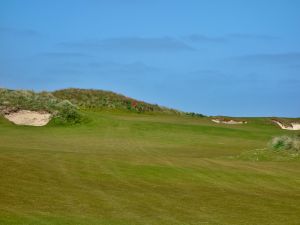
(126, 168)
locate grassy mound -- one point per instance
(99, 99)
(14, 100)
(63, 111)
(281, 148)
(65, 104)
(291, 143)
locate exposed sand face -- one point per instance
(29, 118)
(294, 126)
(228, 122)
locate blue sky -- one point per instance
(233, 57)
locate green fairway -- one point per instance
(135, 169)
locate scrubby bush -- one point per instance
(192, 114)
(11, 100)
(286, 143)
(67, 113)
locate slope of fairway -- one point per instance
(128, 168)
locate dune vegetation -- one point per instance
(63, 111)
(99, 99)
(119, 166)
(286, 143)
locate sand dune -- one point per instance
(29, 118)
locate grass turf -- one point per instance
(126, 168)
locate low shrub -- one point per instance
(286, 143)
(192, 114)
(67, 113)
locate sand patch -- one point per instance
(293, 126)
(29, 118)
(228, 121)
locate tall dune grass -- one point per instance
(286, 143)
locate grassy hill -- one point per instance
(13, 100)
(65, 105)
(99, 99)
(82, 98)
(124, 168)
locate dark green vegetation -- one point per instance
(127, 168)
(122, 167)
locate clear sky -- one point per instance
(217, 57)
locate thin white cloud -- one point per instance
(290, 57)
(60, 55)
(131, 44)
(18, 32)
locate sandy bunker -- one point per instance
(293, 126)
(228, 121)
(29, 118)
